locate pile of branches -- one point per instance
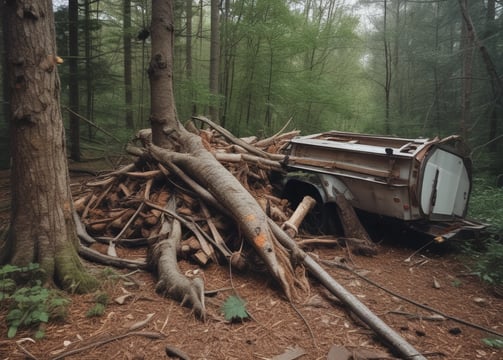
(158, 205)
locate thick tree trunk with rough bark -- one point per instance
(42, 228)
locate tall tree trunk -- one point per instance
(268, 105)
(173, 143)
(496, 82)
(163, 117)
(436, 93)
(497, 103)
(42, 229)
(89, 72)
(467, 74)
(228, 61)
(387, 72)
(73, 47)
(128, 83)
(215, 61)
(5, 157)
(188, 55)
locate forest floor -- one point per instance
(318, 325)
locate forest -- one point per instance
(194, 108)
(406, 68)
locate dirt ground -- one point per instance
(435, 277)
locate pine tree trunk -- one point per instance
(5, 156)
(42, 229)
(128, 86)
(214, 61)
(467, 70)
(173, 143)
(73, 91)
(163, 113)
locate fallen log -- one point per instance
(390, 336)
(291, 226)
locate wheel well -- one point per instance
(295, 190)
(323, 218)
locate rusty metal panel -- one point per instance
(384, 175)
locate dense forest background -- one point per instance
(402, 67)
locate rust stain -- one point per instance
(260, 240)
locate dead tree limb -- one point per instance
(291, 226)
(228, 135)
(95, 256)
(390, 336)
(100, 342)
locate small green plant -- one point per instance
(28, 302)
(101, 301)
(493, 342)
(234, 308)
(96, 310)
(456, 283)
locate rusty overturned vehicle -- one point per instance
(423, 183)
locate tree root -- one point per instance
(172, 283)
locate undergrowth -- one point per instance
(100, 302)
(487, 255)
(28, 303)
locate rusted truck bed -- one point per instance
(427, 181)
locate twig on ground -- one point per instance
(100, 342)
(426, 307)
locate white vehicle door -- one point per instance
(445, 186)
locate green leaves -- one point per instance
(493, 342)
(29, 303)
(234, 309)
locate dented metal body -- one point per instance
(422, 181)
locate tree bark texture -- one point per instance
(42, 228)
(73, 90)
(188, 54)
(467, 41)
(215, 61)
(5, 157)
(496, 82)
(163, 116)
(128, 82)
